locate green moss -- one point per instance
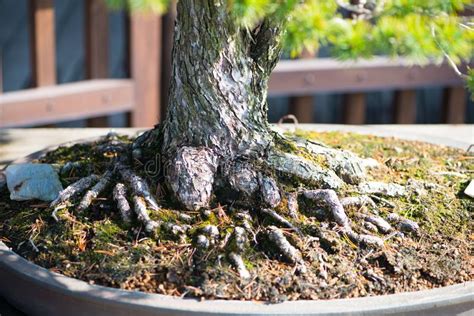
(106, 231)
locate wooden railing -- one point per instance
(96, 97)
(150, 45)
(304, 77)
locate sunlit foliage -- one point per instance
(423, 31)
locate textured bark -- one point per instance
(217, 113)
(217, 97)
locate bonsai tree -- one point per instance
(215, 144)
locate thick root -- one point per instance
(358, 201)
(76, 188)
(239, 265)
(139, 186)
(365, 240)
(292, 166)
(243, 178)
(351, 168)
(191, 176)
(280, 219)
(285, 249)
(94, 192)
(194, 174)
(270, 192)
(405, 225)
(382, 225)
(123, 206)
(142, 215)
(329, 199)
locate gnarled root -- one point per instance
(269, 187)
(191, 176)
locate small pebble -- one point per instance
(469, 191)
(202, 242)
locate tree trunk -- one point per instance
(217, 110)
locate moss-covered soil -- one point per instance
(95, 246)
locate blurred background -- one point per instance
(75, 63)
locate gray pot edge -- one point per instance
(454, 296)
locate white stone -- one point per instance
(469, 191)
(32, 181)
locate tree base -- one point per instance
(259, 230)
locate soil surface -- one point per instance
(97, 247)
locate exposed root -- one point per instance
(382, 225)
(243, 178)
(142, 214)
(69, 166)
(329, 198)
(239, 239)
(358, 201)
(294, 166)
(292, 201)
(123, 206)
(191, 176)
(139, 186)
(351, 168)
(285, 249)
(365, 240)
(75, 188)
(212, 233)
(383, 201)
(54, 214)
(239, 265)
(270, 192)
(175, 230)
(194, 174)
(113, 146)
(387, 189)
(246, 220)
(404, 224)
(280, 219)
(94, 192)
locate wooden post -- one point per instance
(354, 108)
(405, 107)
(145, 35)
(43, 53)
(96, 43)
(168, 33)
(454, 105)
(302, 106)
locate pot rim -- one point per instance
(420, 300)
